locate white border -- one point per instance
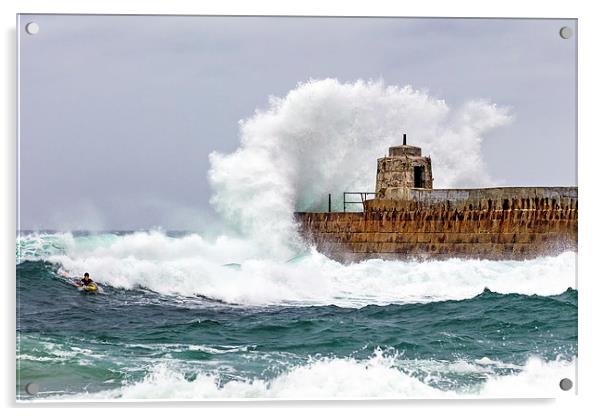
(589, 150)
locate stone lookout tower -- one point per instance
(405, 168)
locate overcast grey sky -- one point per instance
(119, 113)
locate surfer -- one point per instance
(86, 283)
(86, 280)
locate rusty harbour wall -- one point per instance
(487, 223)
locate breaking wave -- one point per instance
(380, 376)
(226, 270)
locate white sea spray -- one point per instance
(325, 136)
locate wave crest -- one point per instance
(227, 270)
(380, 376)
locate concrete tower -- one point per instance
(405, 168)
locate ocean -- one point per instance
(183, 316)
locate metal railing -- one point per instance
(363, 197)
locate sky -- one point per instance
(118, 114)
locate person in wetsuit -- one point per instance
(86, 280)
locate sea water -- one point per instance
(178, 319)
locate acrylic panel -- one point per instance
(221, 207)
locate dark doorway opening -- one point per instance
(418, 176)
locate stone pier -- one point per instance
(408, 219)
(500, 223)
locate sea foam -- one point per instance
(226, 269)
(380, 376)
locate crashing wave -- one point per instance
(380, 376)
(193, 266)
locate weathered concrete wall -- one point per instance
(479, 198)
(518, 223)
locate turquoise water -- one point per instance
(137, 339)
